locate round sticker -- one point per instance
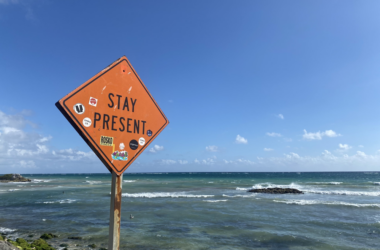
(87, 122)
(142, 141)
(79, 108)
(149, 132)
(133, 144)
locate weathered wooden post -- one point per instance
(115, 212)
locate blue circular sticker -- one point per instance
(149, 132)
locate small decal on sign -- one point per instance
(133, 144)
(149, 132)
(93, 101)
(79, 108)
(120, 155)
(142, 141)
(87, 122)
(106, 141)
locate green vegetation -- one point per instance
(92, 246)
(48, 236)
(1, 237)
(38, 244)
(6, 177)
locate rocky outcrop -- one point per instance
(4, 245)
(276, 191)
(13, 178)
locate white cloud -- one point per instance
(361, 146)
(212, 148)
(241, 140)
(156, 148)
(318, 135)
(239, 162)
(20, 148)
(280, 116)
(330, 133)
(182, 162)
(344, 147)
(268, 149)
(168, 162)
(273, 134)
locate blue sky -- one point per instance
(246, 85)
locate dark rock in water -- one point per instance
(75, 238)
(92, 246)
(13, 178)
(276, 191)
(48, 236)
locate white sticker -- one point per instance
(79, 108)
(93, 101)
(87, 122)
(142, 141)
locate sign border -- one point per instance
(65, 110)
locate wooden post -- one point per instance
(115, 212)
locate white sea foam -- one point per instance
(59, 201)
(269, 185)
(343, 192)
(129, 181)
(12, 190)
(165, 195)
(214, 200)
(316, 202)
(376, 183)
(93, 182)
(6, 230)
(210, 182)
(326, 183)
(240, 195)
(38, 180)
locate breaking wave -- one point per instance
(39, 180)
(6, 230)
(270, 185)
(129, 181)
(214, 200)
(59, 201)
(240, 195)
(315, 202)
(165, 195)
(326, 183)
(343, 192)
(93, 182)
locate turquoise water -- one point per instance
(200, 210)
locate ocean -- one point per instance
(339, 210)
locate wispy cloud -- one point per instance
(268, 149)
(273, 134)
(318, 135)
(212, 148)
(281, 116)
(344, 147)
(241, 140)
(156, 148)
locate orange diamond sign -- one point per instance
(115, 114)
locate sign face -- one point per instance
(115, 114)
